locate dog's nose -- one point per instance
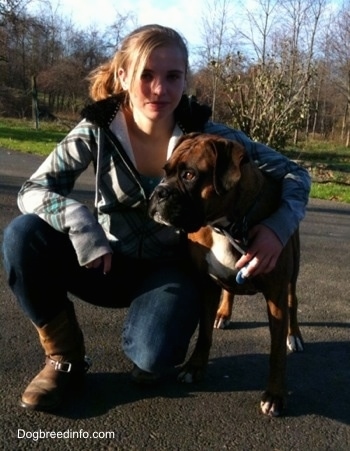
(162, 192)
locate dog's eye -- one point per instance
(188, 175)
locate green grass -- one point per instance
(330, 191)
(328, 163)
(329, 166)
(21, 135)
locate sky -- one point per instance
(183, 15)
(186, 16)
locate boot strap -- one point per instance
(67, 367)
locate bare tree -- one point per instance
(218, 41)
(341, 65)
(122, 25)
(267, 86)
(48, 48)
(260, 25)
(304, 19)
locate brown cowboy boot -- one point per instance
(65, 365)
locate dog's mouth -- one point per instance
(157, 217)
(175, 218)
(172, 208)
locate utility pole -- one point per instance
(35, 110)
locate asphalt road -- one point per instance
(220, 413)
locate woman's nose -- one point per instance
(158, 86)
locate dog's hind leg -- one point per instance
(272, 401)
(224, 312)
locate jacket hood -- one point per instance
(189, 114)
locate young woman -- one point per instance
(122, 257)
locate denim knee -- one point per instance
(15, 235)
(29, 260)
(161, 322)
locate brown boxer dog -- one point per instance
(214, 193)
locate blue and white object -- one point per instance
(242, 275)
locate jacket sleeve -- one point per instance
(46, 194)
(296, 181)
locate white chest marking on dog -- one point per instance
(221, 261)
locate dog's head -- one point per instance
(201, 172)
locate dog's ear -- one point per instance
(229, 157)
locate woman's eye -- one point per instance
(173, 77)
(146, 76)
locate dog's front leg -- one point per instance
(223, 315)
(272, 402)
(194, 369)
(295, 342)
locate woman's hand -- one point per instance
(263, 252)
(105, 262)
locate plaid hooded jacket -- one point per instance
(122, 223)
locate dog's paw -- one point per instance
(221, 322)
(295, 343)
(190, 374)
(185, 377)
(271, 405)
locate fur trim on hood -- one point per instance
(189, 114)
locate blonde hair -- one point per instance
(132, 56)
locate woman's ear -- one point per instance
(122, 76)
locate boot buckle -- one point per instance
(63, 367)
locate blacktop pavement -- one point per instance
(220, 413)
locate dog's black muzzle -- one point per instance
(161, 192)
(170, 206)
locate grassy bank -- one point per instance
(21, 135)
(329, 164)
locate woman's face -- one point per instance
(157, 92)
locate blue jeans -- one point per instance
(163, 297)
